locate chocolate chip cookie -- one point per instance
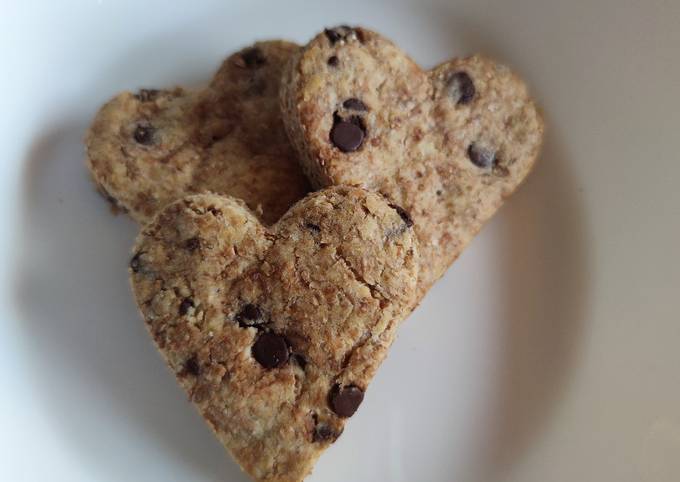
(448, 145)
(275, 333)
(149, 148)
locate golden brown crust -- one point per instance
(334, 277)
(147, 149)
(422, 132)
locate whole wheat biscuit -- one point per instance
(147, 149)
(275, 333)
(448, 144)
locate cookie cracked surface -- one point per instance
(275, 333)
(448, 145)
(147, 149)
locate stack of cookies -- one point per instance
(294, 212)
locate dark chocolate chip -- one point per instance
(147, 95)
(333, 61)
(344, 401)
(192, 367)
(347, 135)
(338, 33)
(249, 316)
(253, 57)
(403, 214)
(323, 433)
(300, 360)
(192, 244)
(332, 34)
(354, 104)
(136, 263)
(439, 192)
(461, 88)
(144, 134)
(185, 305)
(313, 227)
(270, 350)
(360, 35)
(481, 156)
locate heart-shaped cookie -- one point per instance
(147, 149)
(276, 333)
(448, 145)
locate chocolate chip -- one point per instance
(461, 88)
(192, 244)
(338, 33)
(403, 214)
(185, 305)
(253, 57)
(147, 95)
(333, 35)
(300, 360)
(136, 263)
(333, 61)
(313, 227)
(270, 350)
(323, 433)
(192, 367)
(481, 156)
(354, 104)
(249, 316)
(344, 401)
(347, 135)
(144, 134)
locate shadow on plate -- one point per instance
(545, 272)
(91, 348)
(543, 262)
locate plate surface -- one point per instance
(549, 352)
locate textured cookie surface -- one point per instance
(147, 149)
(276, 332)
(448, 145)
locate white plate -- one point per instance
(549, 352)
